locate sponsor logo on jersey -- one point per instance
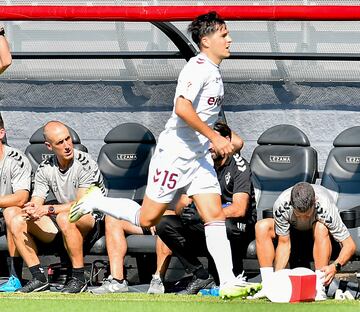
(200, 60)
(352, 159)
(128, 157)
(280, 159)
(45, 156)
(215, 100)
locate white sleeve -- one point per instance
(190, 83)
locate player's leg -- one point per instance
(116, 246)
(187, 242)
(14, 261)
(161, 188)
(321, 253)
(209, 207)
(163, 257)
(264, 236)
(74, 235)
(119, 208)
(23, 231)
(265, 250)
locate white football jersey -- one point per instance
(199, 82)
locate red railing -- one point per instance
(178, 13)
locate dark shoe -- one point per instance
(196, 284)
(34, 285)
(74, 286)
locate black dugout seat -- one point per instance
(282, 158)
(124, 160)
(342, 178)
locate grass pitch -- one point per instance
(52, 302)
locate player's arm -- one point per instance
(238, 206)
(237, 142)
(17, 199)
(348, 248)
(282, 252)
(5, 55)
(185, 110)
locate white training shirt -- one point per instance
(326, 212)
(81, 174)
(199, 82)
(15, 171)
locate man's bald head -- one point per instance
(53, 127)
(58, 140)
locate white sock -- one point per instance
(218, 246)
(266, 274)
(319, 280)
(119, 208)
(266, 277)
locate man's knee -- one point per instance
(10, 213)
(167, 224)
(17, 225)
(264, 228)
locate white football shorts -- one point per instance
(169, 173)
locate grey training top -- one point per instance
(326, 212)
(82, 173)
(15, 171)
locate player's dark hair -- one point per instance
(302, 197)
(2, 125)
(204, 25)
(222, 128)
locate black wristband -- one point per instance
(337, 266)
(2, 31)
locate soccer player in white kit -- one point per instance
(182, 159)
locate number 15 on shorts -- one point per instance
(166, 178)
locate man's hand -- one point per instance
(34, 211)
(190, 215)
(329, 273)
(222, 146)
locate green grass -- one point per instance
(52, 302)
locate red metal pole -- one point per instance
(178, 13)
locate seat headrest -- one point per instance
(349, 137)
(284, 135)
(38, 136)
(129, 133)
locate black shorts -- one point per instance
(302, 244)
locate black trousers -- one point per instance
(187, 242)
